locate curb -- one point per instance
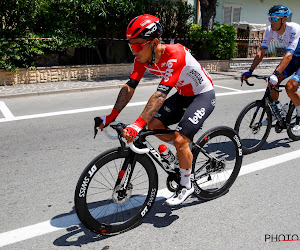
(78, 90)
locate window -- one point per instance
(231, 13)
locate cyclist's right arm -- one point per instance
(123, 99)
(260, 54)
(125, 95)
(258, 58)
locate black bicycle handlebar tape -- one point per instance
(98, 122)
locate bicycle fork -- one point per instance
(123, 186)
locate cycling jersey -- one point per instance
(179, 69)
(289, 39)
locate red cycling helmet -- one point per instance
(145, 26)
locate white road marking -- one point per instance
(49, 226)
(222, 87)
(5, 110)
(75, 111)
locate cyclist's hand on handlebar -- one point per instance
(105, 120)
(131, 131)
(246, 75)
(273, 79)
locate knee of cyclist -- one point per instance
(291, 86)
(180, 142)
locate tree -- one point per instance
(208, 13)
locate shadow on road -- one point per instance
(160, 216)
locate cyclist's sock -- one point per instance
(185, 178)
(298, 110)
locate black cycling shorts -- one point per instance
(189, 111)
(293, 67)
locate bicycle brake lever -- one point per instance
(98, 122)
(95, 131)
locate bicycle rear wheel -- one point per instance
(217, 159)
(249, 126)
(99, 203)
(291, 121)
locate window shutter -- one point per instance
(227, 15)
(236, 14)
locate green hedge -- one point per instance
(82, 24)
(219, 43)
(78, 24)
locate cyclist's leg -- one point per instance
(292, 87)
(192, 121)
(170, 113)
(289, 70)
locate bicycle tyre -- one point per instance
(290, 120)
(214, 176)
(253, 138)
(95, 196)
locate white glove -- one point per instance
(273, 79)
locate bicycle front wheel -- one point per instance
(250, 128)
(217, 159)
(102, 206)
(291, 122)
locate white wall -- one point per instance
(256, 11)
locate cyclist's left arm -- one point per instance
(154, 104)
(284, 62)
(290, 49)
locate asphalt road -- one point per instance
(46, 141)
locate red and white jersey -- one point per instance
(179, 69)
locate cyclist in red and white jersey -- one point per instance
(189, 106)
(288, 35)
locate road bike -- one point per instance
(249, 124)
(118, 187)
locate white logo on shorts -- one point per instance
(197, 116)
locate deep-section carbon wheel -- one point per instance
(106, 208)
(249, 125)
(217, 159)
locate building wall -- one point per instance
(256, 11)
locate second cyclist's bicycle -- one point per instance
(118, 188)
(249, 124)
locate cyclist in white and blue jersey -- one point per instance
(288, 35)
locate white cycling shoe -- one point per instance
(296, 128)
(180, 195)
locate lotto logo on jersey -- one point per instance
(169, 70)
(197, 116)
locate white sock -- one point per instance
(298, 110)
(185, 179)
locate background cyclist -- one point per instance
(287, 34)
(190, 105)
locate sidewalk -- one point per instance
(79, 86)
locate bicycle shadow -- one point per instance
(283, 142)
(160, 216)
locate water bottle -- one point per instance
(167, 155)
(279, 106)
(276, 111)
(285, 110)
